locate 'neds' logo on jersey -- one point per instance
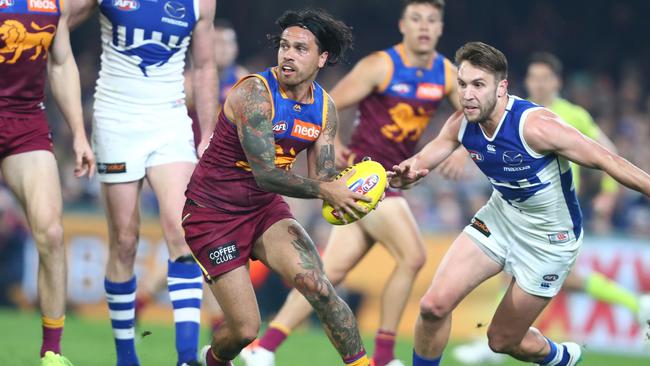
(126, 5)
(305, 130)
(364, 185)
(6, 4)
(280, 127)
(45, 6)
(429, 91)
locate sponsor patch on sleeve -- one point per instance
(481, 227)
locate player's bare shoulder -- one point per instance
(250, 96)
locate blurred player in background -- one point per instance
(234, 210)
(397, 90)
(35, 37)
(543, 83)
(227, 49)
(530, 228)
(141, 130)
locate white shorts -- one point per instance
(538, 259)
(126, 144)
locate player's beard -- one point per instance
(485, 109)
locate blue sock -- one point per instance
(559, 355)
(185, 284)
(421, 361)
(121, 307)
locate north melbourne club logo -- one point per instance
(513, 158)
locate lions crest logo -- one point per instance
(17, 39)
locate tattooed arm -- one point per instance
(321, 154)
(251, 107)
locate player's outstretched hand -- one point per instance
(342, 199)
(84, 158)
(404, 176)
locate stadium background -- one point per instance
(603, 45)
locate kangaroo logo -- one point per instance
(18, 39)
(150, 53)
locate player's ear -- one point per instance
(322, 59)
(502, 88)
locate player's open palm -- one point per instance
(404, 176)
(342, 199)
(84, 158)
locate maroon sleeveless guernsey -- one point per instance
(27, 29)
(223, 178)
(392, 119)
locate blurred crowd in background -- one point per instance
(606, 70)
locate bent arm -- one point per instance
(320, 156)
(438, 149)
(79, 11)
(545, 132)
(251, 107)
(204, 70)
(63, 77)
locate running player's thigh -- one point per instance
(286, 248)
(461, 270)
(516, 312)
(34, 178)
(122, 202)
(346, 246)
(235, 295)
(393, 225)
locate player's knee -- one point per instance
(315, 287)
(433, 308)
(500, 342)
(413, 261)
(125, 245)
(246, 333)
(49, 238)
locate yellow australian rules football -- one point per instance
(369, 179)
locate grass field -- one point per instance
(89, 343)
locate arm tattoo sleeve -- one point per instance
(252, 110)
(325, 169)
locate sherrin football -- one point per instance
(369, 179)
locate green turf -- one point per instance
(90, 343)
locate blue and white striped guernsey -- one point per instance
(144, 43)
(539, 186)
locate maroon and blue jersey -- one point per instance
(392, 118)
(27, 29)
(223, 178)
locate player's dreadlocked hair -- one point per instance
(332, 35)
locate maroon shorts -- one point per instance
(222, 241)
(24, 134)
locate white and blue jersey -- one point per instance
(144, 43)
(532, 224)
(537, 185)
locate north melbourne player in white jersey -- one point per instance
(531, 227)
(141, 130)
